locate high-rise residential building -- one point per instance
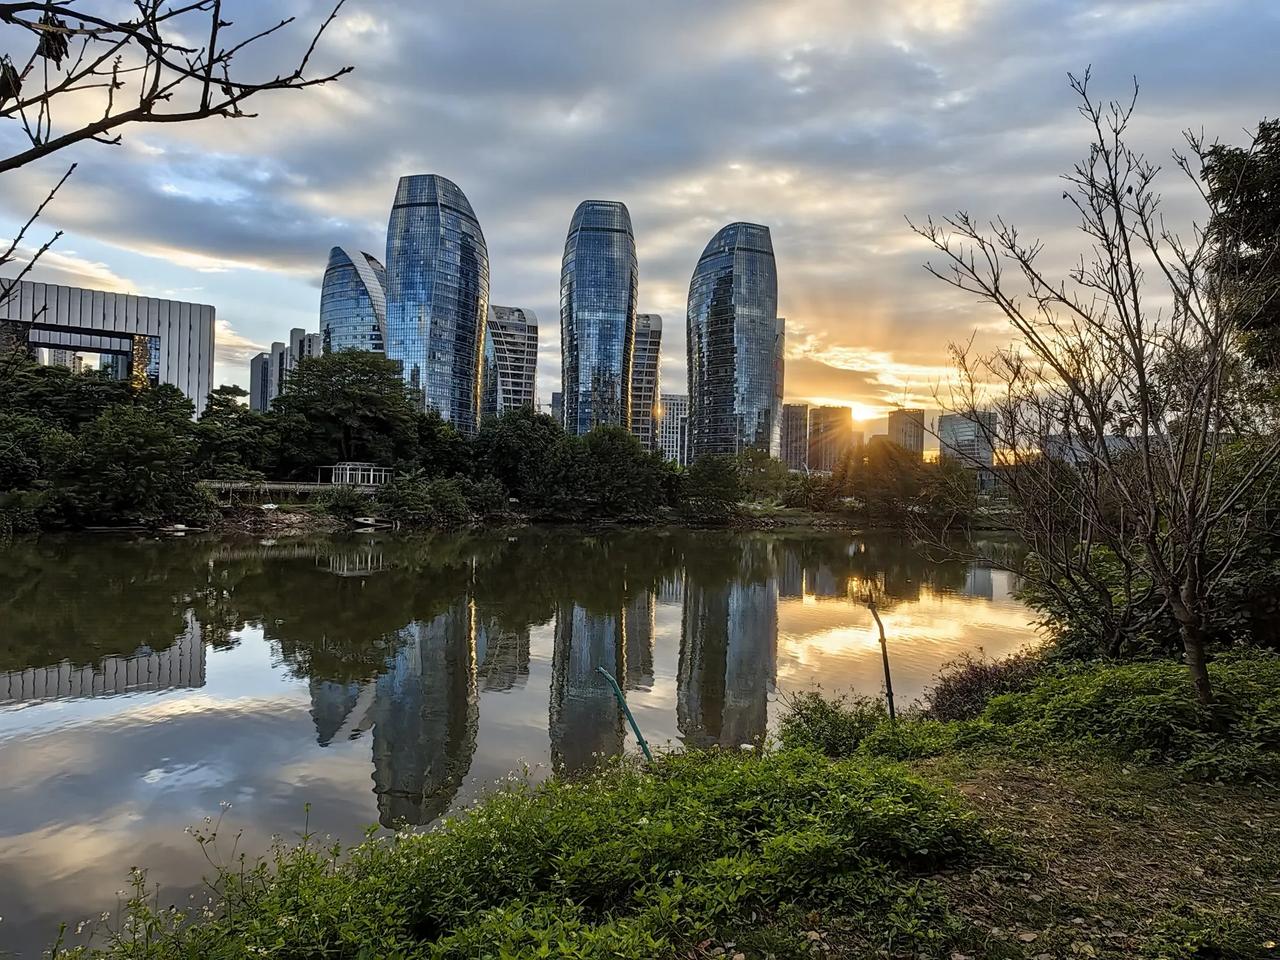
(599, 281)
(157, 341)
(303, 344)
(260, 382)
(735, 345)
(437, 296)
(66, 358)
(906, 429)
(830, 437)
(353, 302)
(645, 389)
(673, 428)
(269, 372)
(508, 374)
(795, 436)
(967, 438)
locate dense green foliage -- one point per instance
(626, 863)
(86, 450)
(79, 450)
(1244, 184)
(1137, 712)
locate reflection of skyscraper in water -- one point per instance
(728, 661)
(638, 620)
(671, 589)
(826, 583)
(790, 573)
(179, 666)
(423, 714)
(502, 655)
(978, 582)
(585, 718)
(341, 711)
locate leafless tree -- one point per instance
(1118, 413)
(83, 75)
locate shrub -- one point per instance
(343, 502)
(848, 727)
(626, 863)
(416, 501)
(965, 686)
(1145, 712)
(834, 727)
(1139, 712)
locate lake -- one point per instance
(147, 683)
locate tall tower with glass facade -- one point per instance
(437, 296)
(353, 302)
(599, 280)
(735, 345)
(645, 359)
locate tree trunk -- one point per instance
(1193, 647)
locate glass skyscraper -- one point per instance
(735, 345)
(598, 287)
(437, 295)
(353, 302)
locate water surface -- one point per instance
(144, 684)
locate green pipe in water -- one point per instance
(622, 701)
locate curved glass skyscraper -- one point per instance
(437, 295)
(598, 288)
(353, 302)
(735, 345)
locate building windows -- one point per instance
(735, 345)
(598, 286)
(437, 296)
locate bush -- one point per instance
(1140, 712)
(419, 502)
(626, 863)
(344, 502)
(846, 727)
(835, 728)
(1145, 712)
(965, 686)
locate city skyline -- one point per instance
(828, 122)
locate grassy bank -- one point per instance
(1075, 815)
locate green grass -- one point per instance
(625, 864)
(1073, 818)
(1139, 712)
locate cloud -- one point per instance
(233, 348)
(828, 120)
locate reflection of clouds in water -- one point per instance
(437, 675)
(836, 645)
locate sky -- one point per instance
(831, 122)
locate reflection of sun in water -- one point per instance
(834, 642)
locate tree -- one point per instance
(622, 479)
(1243, 184)
(231, 439)
(348, 405)
(511, 448)
(76, 73)
(1117, 405)
(763, 476)
(712, 487)
(111, 73)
